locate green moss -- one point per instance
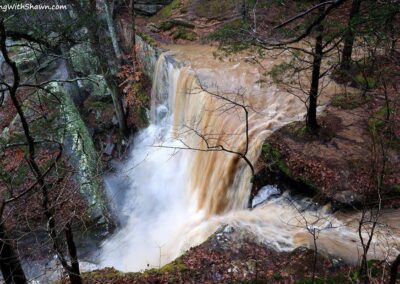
(166, 12)
(167, 25)
(183, 33)
(274, 156)
(147, 39)
(277, 161)
(350, 100)
(365, 82)
(107, 273)
(176, 265)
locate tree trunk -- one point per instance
(31, 160)
(74, 273)
(244, 11)
(349, 36)
(77, 95)
(105, 69)
(394, 269)
(311, 120)
(113, 33)
(133, 28)
(10, 264)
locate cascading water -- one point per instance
(169, 197)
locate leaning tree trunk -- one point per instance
(113, 33)
(349, 36)
(10, 264)
(311, 119)
(133, 37)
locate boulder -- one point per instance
(30, 59)
(150, 7)
(96, 86)
(84, 60)
(348, 198)
(79, 146)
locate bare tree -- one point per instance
(314, 223)
(39, 174)
(321, 48)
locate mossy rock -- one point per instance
(148, 53)
(84, 60)
(78, 144)
(96, 86)
(277, 164)
(168, 25)
(147, 39)
(25, 57)
(167, 11)
(103, 274)
(275, 157)
(29, 59)
(183, 33)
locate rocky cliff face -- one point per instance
(150, 7)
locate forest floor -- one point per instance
(339, 163)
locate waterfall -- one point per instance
(173, 192)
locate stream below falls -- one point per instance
(177, 186)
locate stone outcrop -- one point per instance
(150, 7)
